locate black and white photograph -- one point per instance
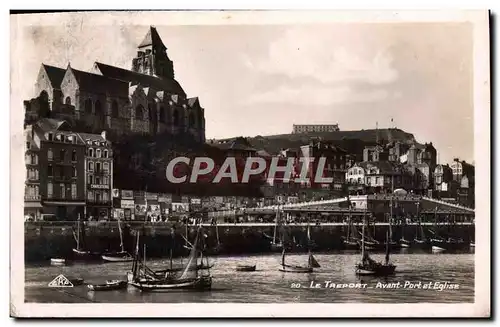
(271, 161)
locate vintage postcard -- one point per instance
(250, 164)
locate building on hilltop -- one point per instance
(315, 128)
(145, 100)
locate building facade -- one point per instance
(98, 175)
(307, 128)
(145, 100)
(59, 170)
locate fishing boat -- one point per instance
(189, 278)
(76, 281)
(312, 263)
(420, 241)
(80, 253)
(389, 241)
(242, 267)
(350, 241)
(120, 256)
(276, 245)
(110, 285)
(368, 266)
(403, 242)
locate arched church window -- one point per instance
(139, 112)
(68, 101)
(88, 106)
(191, 120)
(176, 118)
(114, 109)
(163, 117)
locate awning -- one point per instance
(33, 205)
(65, 203)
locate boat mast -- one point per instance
(363, 239)
(121, 235)
(275, 225)
(390, 215)
(349, 220)
(387, 248)
(78, 234)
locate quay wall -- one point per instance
(44, 241)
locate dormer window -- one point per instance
(50, 136)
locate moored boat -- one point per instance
(57, 261)
(242, 267)
(120, 256)
(110, 285)
(368, 266)
(312, 263)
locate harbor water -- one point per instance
(420, 277)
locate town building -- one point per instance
(335, 163)
(464, 174)
(145, 100)
(98, 175)
(307, 128)
(57, 166)
(375, 153)
(32, 204)
(378, 177)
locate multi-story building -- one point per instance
(307, 128)
(335, 163)
(375, 153)
(378, 177)
(98, 175)
(32, 204)
(146, 99)
(59, 169)
(464, 174)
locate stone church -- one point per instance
(146, 99)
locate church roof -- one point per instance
(168, 85)
(55, 75)
(100, 84)
(152, 38)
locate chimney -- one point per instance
(103, 134)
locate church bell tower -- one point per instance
(152, 58)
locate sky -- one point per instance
(261, 79)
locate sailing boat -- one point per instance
(368, 266)
(189, 277)
(438, 243)
(122, 255)
(392, 243)
(311, 264)
(370, 242)
(350, 242)
(404, 243)
(275, 244)
(80, 251)
(420, 240)
(189, 246)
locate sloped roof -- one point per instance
(385, 167)
(163, 84)
(100, 84)
(238, 143)
(152, 38)
(50, 124)
(55, 75)
(92, 137)
(192, 101)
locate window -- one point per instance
(50, 190)
(90, 179)
(176, 118)
(50, 136)
(105, 154)
(88, 106)
(114, 109)
(139, 112)
(105, 180)
(91, 166)
(90, 195)
(63, 191)
(91, 152)
(163, 117)
(97, 166)
(105, 167)
(105, 196)
(191, 120)
(73, 155)
(97, 180)
(50, 154)
(62, 155)
(61, 172)
(368, 180)
(74, 172)
(27, 145)
(68, 101)
(50, 171)
(377, 180)
(73, 191)
(98, 153)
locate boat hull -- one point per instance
(351, 245)
(245, 268)
(296, 269)
(108, 286)
(58, 261)
(117, 257)
(375, 270)
(201, 283)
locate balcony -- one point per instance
(32, 197)
(100, 172)
(99, 201)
